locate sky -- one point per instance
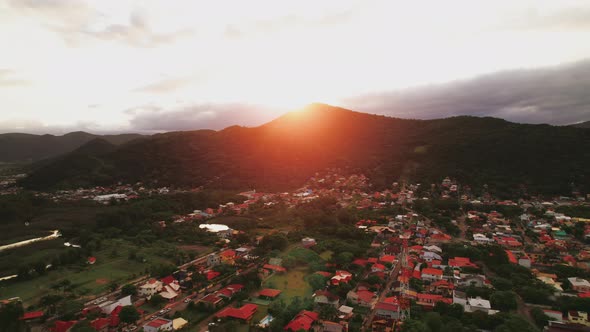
(151, 66)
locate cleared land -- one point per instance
(291, 283)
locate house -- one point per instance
(478, 304)
(388, 308)
(275, 261)
(159, 325)
(578, 317)
(481, 239)
(213, 260)
(62, 326)
(323, 297)
(328, 326)
(101, 324)
(243, 313)
(228, 256)
(555, 326)
(269, 294)
(303, 321)
(109, 306)
(433, 248)
(378, 268)
(387, 259)
(430, 300)
(91, 260)
(461, 262)
(579, 284)
(308, 242)
(477, 280)
(345, 312)
(555, 315)
(341, 276)
(32, 315)
(430, 274)
(179, 323)
(362, 297)
(230, 291)
(211, 300)
(429, 256)
(273, 268)
(150, 288)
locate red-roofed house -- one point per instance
(100, 324)
(387, 309)
(91, 260)
(62, 326)
(360, 262)
(211, 300)
(511, 257)
(230, 290)
(341, 277)
(430, 300)
(158, 325)
(361, 297)
(431, 274)
(32, 315)
(228, 256)
(244, 313)
(269, 293)
(387, 259)
(324, 274)
(274, 268)
(378, 267)
(461, 262)
(303, 321)
(212, 275)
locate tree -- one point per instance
(129, 289)
(317, 281)
(539, 317)
(9, 317)
(83, 326)
(504, 300)
(516, 323)
(157, 300)
(412, 325)
(129, 314)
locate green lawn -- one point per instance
(87, 279)
(292, 284)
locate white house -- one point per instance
(150, 288)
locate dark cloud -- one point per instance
(202, 116)
(557, 95)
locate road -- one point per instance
(393, 276)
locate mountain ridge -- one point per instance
(283, 153)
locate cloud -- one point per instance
(557, 95)
(29, 126)
(165, 86)
(75, 21)
(199, 116)
(570, 18)
(9, 78)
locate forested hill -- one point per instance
(27, 147)
(282, 154)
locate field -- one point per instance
(10, 259)
(291, 283)
(111, 265)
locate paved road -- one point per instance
(393, 276)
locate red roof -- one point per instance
(387, 258)
(387, 306)
(378, 266)
(212, 275)
(63, 326)
(32, 315)
(302, 321)
(365, 295)
(435, 272)
(275, 268)
(91, 260)
(584, 295)
(100, 323)
(158, 322)
(324, 274)
(360, 262)
(245, 312)
(168, 280)
(372, 260)
(461, 262)
(268, 292)
(211, 298)
(511, 257)
(230, 253)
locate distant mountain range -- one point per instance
(27, 147)
(285, 152)
(582, 125)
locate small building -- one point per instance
(243, 313)
(308, 242)
(159, 325)
(579, 284)
(150, 288)
(430, 274)
(303, 321)
(213, 260)
(269, 294)
(578, 317)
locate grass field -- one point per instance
(87, 279)
(326, 255)
(292, 284)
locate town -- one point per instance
(334, 256)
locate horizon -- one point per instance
(124, 66)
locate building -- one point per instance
(213, 260)
(243, 313)
(150, 288)
(388, 309)
(430, 274)
(579, 284)
(578, 317)
(159, 325)
(308, 242)
(323, 297)
(478, 304)
(303, 321)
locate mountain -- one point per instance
(26, 147)
(285, 152)
(582, 125)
